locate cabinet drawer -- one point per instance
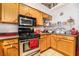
(70, 38)
(6, 42)
(15, 40)
(42, 36)
(11, 41)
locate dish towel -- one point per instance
(33, 43)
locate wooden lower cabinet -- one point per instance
(42, 44)
(63, 44)
(53, 42)
(11, 50)
(48, 41)
(9, 47)
(66, 44)
(67, 47)
(1, 51)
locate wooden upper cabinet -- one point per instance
(33, 12)
(28, 11)
(50, 18)
(39, 18)
(9, 12)
(38, 15)
(24, 10)
(46, 16)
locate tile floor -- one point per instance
(51, 52)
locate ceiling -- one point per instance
(49, 5)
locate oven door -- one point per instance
(26, 46)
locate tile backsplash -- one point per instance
(39, 28)
(8, 28)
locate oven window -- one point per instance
(25, 47)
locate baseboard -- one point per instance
(45, 50)
(60, 52)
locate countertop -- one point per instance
(8, 37)
(58, 34)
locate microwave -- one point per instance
(27, 21)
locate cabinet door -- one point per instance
(42, 44)
(45, 15)
(53, 42)
(50, 17)
(38, 15)
(39, 18)
(60, 45)
(1, 49)
(48, 41)
(33, 12)
(10, 12)
(24, 10)
(11, 50)
(67, 47)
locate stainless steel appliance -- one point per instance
(28, 39)
(24, 45)
(27, 21)
(25, 49)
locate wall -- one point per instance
(8, 28)
(71, 9)
(40, 7)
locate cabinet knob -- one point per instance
(11, 45)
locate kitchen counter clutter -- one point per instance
(65, 44)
